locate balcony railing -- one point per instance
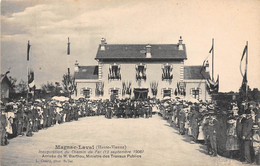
(114, 76)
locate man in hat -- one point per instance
(256, 143)
(182, 119)
(19, 116)
(29, 119)
(212, 131)
(194, 122)
(35, 118)
(257, 118)
(251, 111)
(3, 124)
(247, 124)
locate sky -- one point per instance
(48, 24)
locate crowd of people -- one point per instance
(237, 128)
(232, 131)
(23, 118)
(129, 109)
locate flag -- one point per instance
(243, 87)
(28, 50)
(211, 49)
(31, 84)
(178, 87)
(68, 49)
(244, 52)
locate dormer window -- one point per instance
(140, 72)
(167, 72)
(114, 72)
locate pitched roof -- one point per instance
(87, 72)
(4, 78)
(195, 73)
(138, 51)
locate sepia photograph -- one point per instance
(130, 82)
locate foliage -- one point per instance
(69, 85)
(53, 89)
(12, 81)
(21, 87)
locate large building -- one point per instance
(140, 71)
(5, 87)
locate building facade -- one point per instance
(141, 71)
(5, 87)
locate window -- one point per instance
(86, 92)
(114, 92)
(167, 92)
(167, 72)
(196, 92)
(114, 72)
(140, 72)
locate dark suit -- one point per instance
(247, 124)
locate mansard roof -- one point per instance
(195, 73)
(138, 51)
(87, 72)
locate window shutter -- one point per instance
(200, 91)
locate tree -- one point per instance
(21, 87)
(12, 81)
(48, 87)
(69, 85)
(53, 89)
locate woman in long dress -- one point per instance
(232, 143)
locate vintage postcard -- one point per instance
(130, 82)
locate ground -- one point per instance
(157, 142)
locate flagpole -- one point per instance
(28, 88)
(68, 60)
(246, 68)
(213, 59)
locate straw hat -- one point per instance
(255, 127)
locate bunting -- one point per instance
(31, 84)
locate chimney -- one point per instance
(180, 45)
(103, 43)
(206, 66)
(76, 68)
(148, 51)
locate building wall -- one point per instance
(153, 74)
(197, 84)
(81, 84)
